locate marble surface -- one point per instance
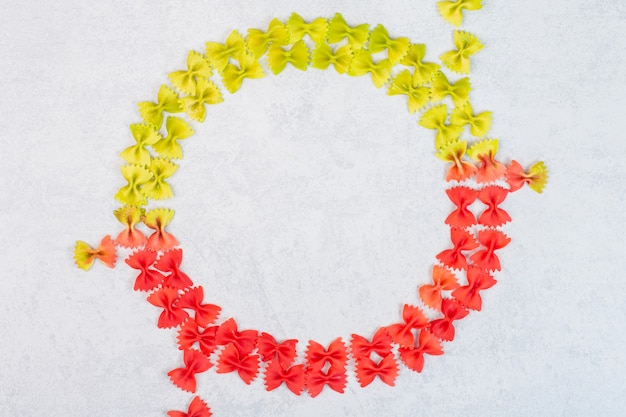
(310, 205)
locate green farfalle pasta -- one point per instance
(479, 123)
(144, 135)
(258, 41)
(233, 76)
(323, 56)
(338, 30)
(418, 97)
(177, 129)
(206, 93)
(436, 118)
(424, 72)
(458, 91)
(167, 101)
(278, 57)
(298, 28)
(380, 41)
(452, 10)
(136, 176)
(362, 64)
(197, 68)
(466, 45)
(218, 54)
(156, 188)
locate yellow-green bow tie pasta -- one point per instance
(258, 41)
(136, 176)
(197, 68)
(278, 57)
(452, 10)
(458, 91)
(424, 72)
(402, 83)
(338, 29)
(459, 60)
(435, 118)
(206, 93)
(249, 67)
(479, 123)
(380, 40)
(167, 101)
(218, 54)
(144, 135)
(298, 28)
(177, 129)
(324, 55)
(362, 64)
(156, 188)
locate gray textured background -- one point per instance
(310, 205)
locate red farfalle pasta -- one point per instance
(380, 344)
(195, 363)
(170, 262)
(244, 341)
(452, 310)
(197, 408)
(317, 356)
(387, 370)
(293, 377)
(335, 378)
(493, 215)
(270, 350)
(192, 299)
(462, 241)
(246, 366)
(492, 240)
(158, 219)
(189, 334)
(478, 280)
(148, 278)
(402, 333)
(461, 197)
(171, 315)
(413, 357)
(443, 280)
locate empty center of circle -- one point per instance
(309, 205)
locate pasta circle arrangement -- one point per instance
(462, 270)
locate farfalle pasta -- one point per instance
(466, 45)
(417, 97)
(339, 30)
(298, 29)
(278, 57)
(478, 184)
(198, 68)
(324, 56)
(294, 377)
(231, 360)
(197, 408)
(452, 10)
(130, 237)
(362, 63)
(380, 41)
(167, 101)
